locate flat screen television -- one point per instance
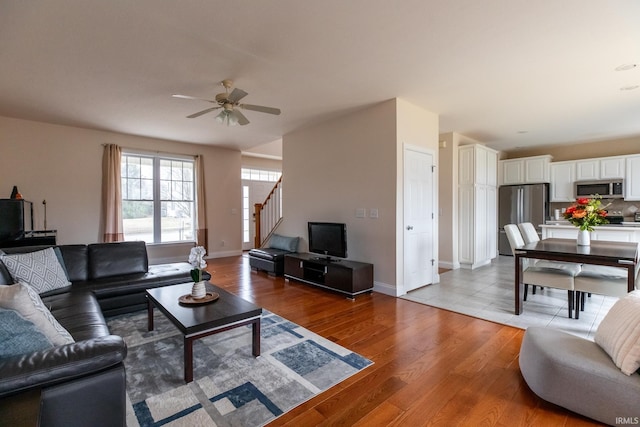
(328, 239)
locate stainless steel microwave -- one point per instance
(610, 189)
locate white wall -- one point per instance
(334, 168)
(419, 128)
(448, 201)
(63, 165)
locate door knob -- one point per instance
(409, 227)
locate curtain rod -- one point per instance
(164, 153)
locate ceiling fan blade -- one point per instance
(236, 95)
(200, 113)
(192, 97)
(242, 120)
(260, 108)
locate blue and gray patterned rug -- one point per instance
(230, 387)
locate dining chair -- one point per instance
(600, 280)
(559, 277)
(530, 235)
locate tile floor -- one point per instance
(487, 293)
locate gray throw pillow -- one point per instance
(26, 301)
(19, 336)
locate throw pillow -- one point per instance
(27, 302)
(285, 243)
(41, 270)
(19, 336)
(619, 333)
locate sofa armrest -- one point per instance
(60, 363)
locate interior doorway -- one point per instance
(256, 186)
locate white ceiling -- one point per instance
(491, 69)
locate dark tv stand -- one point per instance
(347, 277)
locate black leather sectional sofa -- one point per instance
(83, 383)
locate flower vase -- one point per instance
(584, 238)
(198, 291)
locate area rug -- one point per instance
(230, 387)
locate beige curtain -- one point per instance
(112, 194)
(202, 233)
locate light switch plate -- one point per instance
(361, 213)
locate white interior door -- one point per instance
(419, 218)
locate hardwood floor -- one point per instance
(432, 366)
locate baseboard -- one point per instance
(385, 288)
(449, 265)
(475, 265)
(224, 254)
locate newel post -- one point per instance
(256, 216)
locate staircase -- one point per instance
(268, 215)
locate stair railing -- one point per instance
(268, 215)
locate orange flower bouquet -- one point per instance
(586, 213)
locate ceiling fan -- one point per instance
(229, 103)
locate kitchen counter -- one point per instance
(568, 224)
(625, 232)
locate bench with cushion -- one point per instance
(271, 258)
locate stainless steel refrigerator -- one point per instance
(521, 203)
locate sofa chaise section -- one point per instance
(83, 382)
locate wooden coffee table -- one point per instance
(198, 321)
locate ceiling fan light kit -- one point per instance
(228, 102)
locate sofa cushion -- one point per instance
(619, 333)
(285, 243)
(76, 261)
(40, 269)
(27, 302)
(158, 275)
(117, 259)
(79, 313)
(269, 254)
(18, 335)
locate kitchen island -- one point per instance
(625, 232)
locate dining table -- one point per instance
(599, 252)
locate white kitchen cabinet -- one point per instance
(526, 170)
(562, 176)
(587, 170)
(612, 167)
(600, 168)
(632, 178)
(477, 204)
(512, 171)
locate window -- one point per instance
(246, 215)
(260, 175)
(158, 202)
